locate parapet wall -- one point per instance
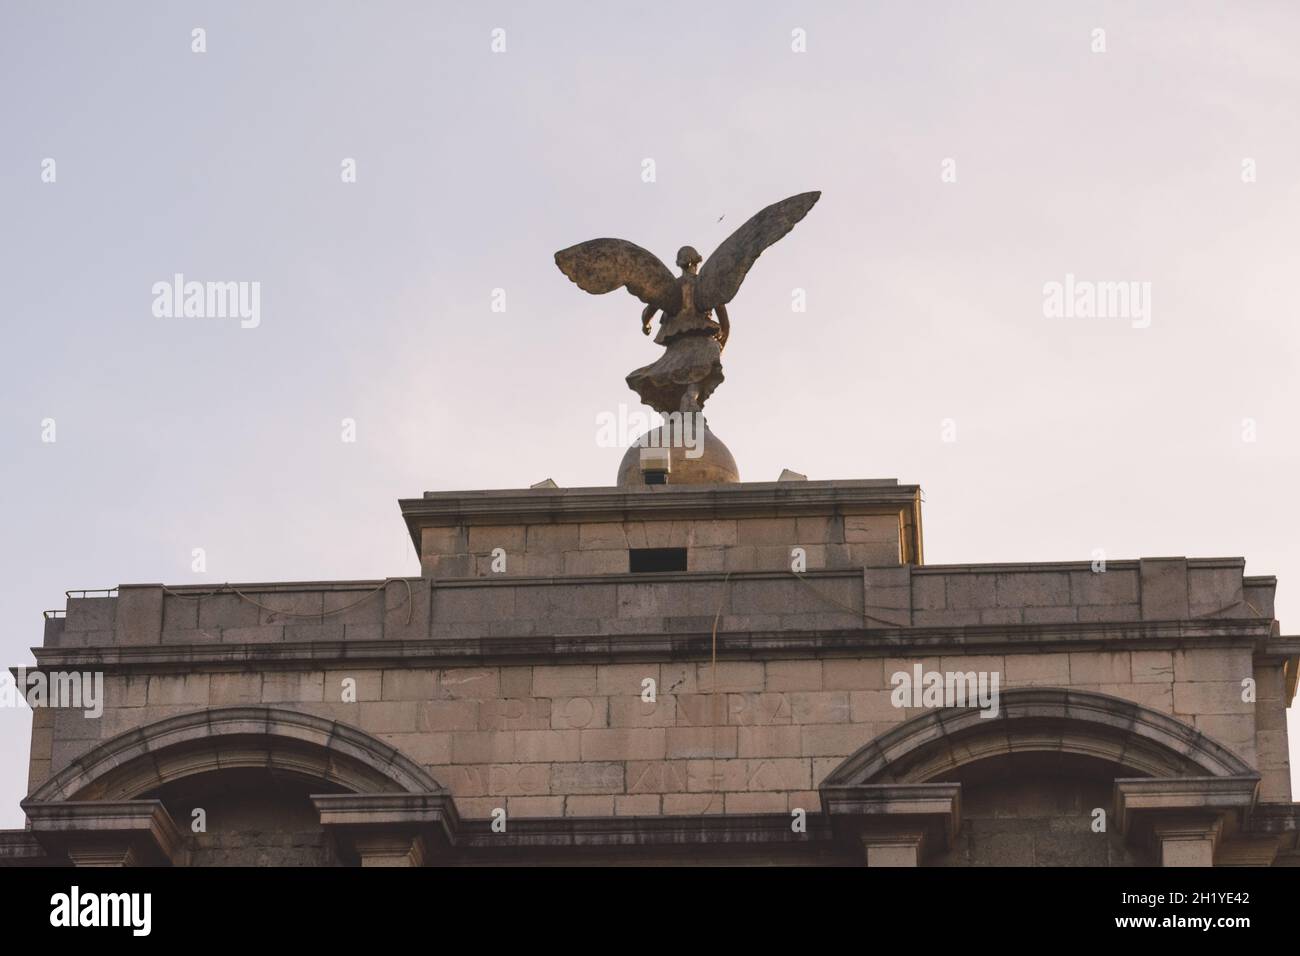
(512, 605)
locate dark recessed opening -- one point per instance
(657, 559)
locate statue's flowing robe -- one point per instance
(692, 356)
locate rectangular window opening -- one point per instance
(656, 559)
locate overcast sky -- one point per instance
(925, 297)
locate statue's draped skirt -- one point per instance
(692, 357)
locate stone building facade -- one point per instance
(676, 673)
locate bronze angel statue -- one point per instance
(691, 366)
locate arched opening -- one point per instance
(1037, 782)
(236, 783)
(1038, 809)
(1039, 720)
(338, 756)
(249, 816)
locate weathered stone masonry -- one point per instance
(395, 717)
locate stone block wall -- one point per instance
(1152, 589)
(592, 548)
(756, 736)
(522, 688)
(1045, 821)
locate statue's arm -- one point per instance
(647, 316)
(725, 323)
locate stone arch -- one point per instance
(141, 760)
(1037, 719)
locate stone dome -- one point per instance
(712, 465)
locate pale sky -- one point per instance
(924, 297)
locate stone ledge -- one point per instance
(707, 830)
(1142, 794)
(366, 809)
(1188, 820)
(431, 821)
(606, 499)
(895, 822)
(21, 848)
(389, 829)
(896, 799)
(687, 645)
(124, 831)
(1281, 818)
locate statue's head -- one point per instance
(688, 260)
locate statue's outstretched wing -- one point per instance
(602, 265)
(721, 276)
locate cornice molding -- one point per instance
(656, 502)
(740, 645)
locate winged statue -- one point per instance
(691, 366)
